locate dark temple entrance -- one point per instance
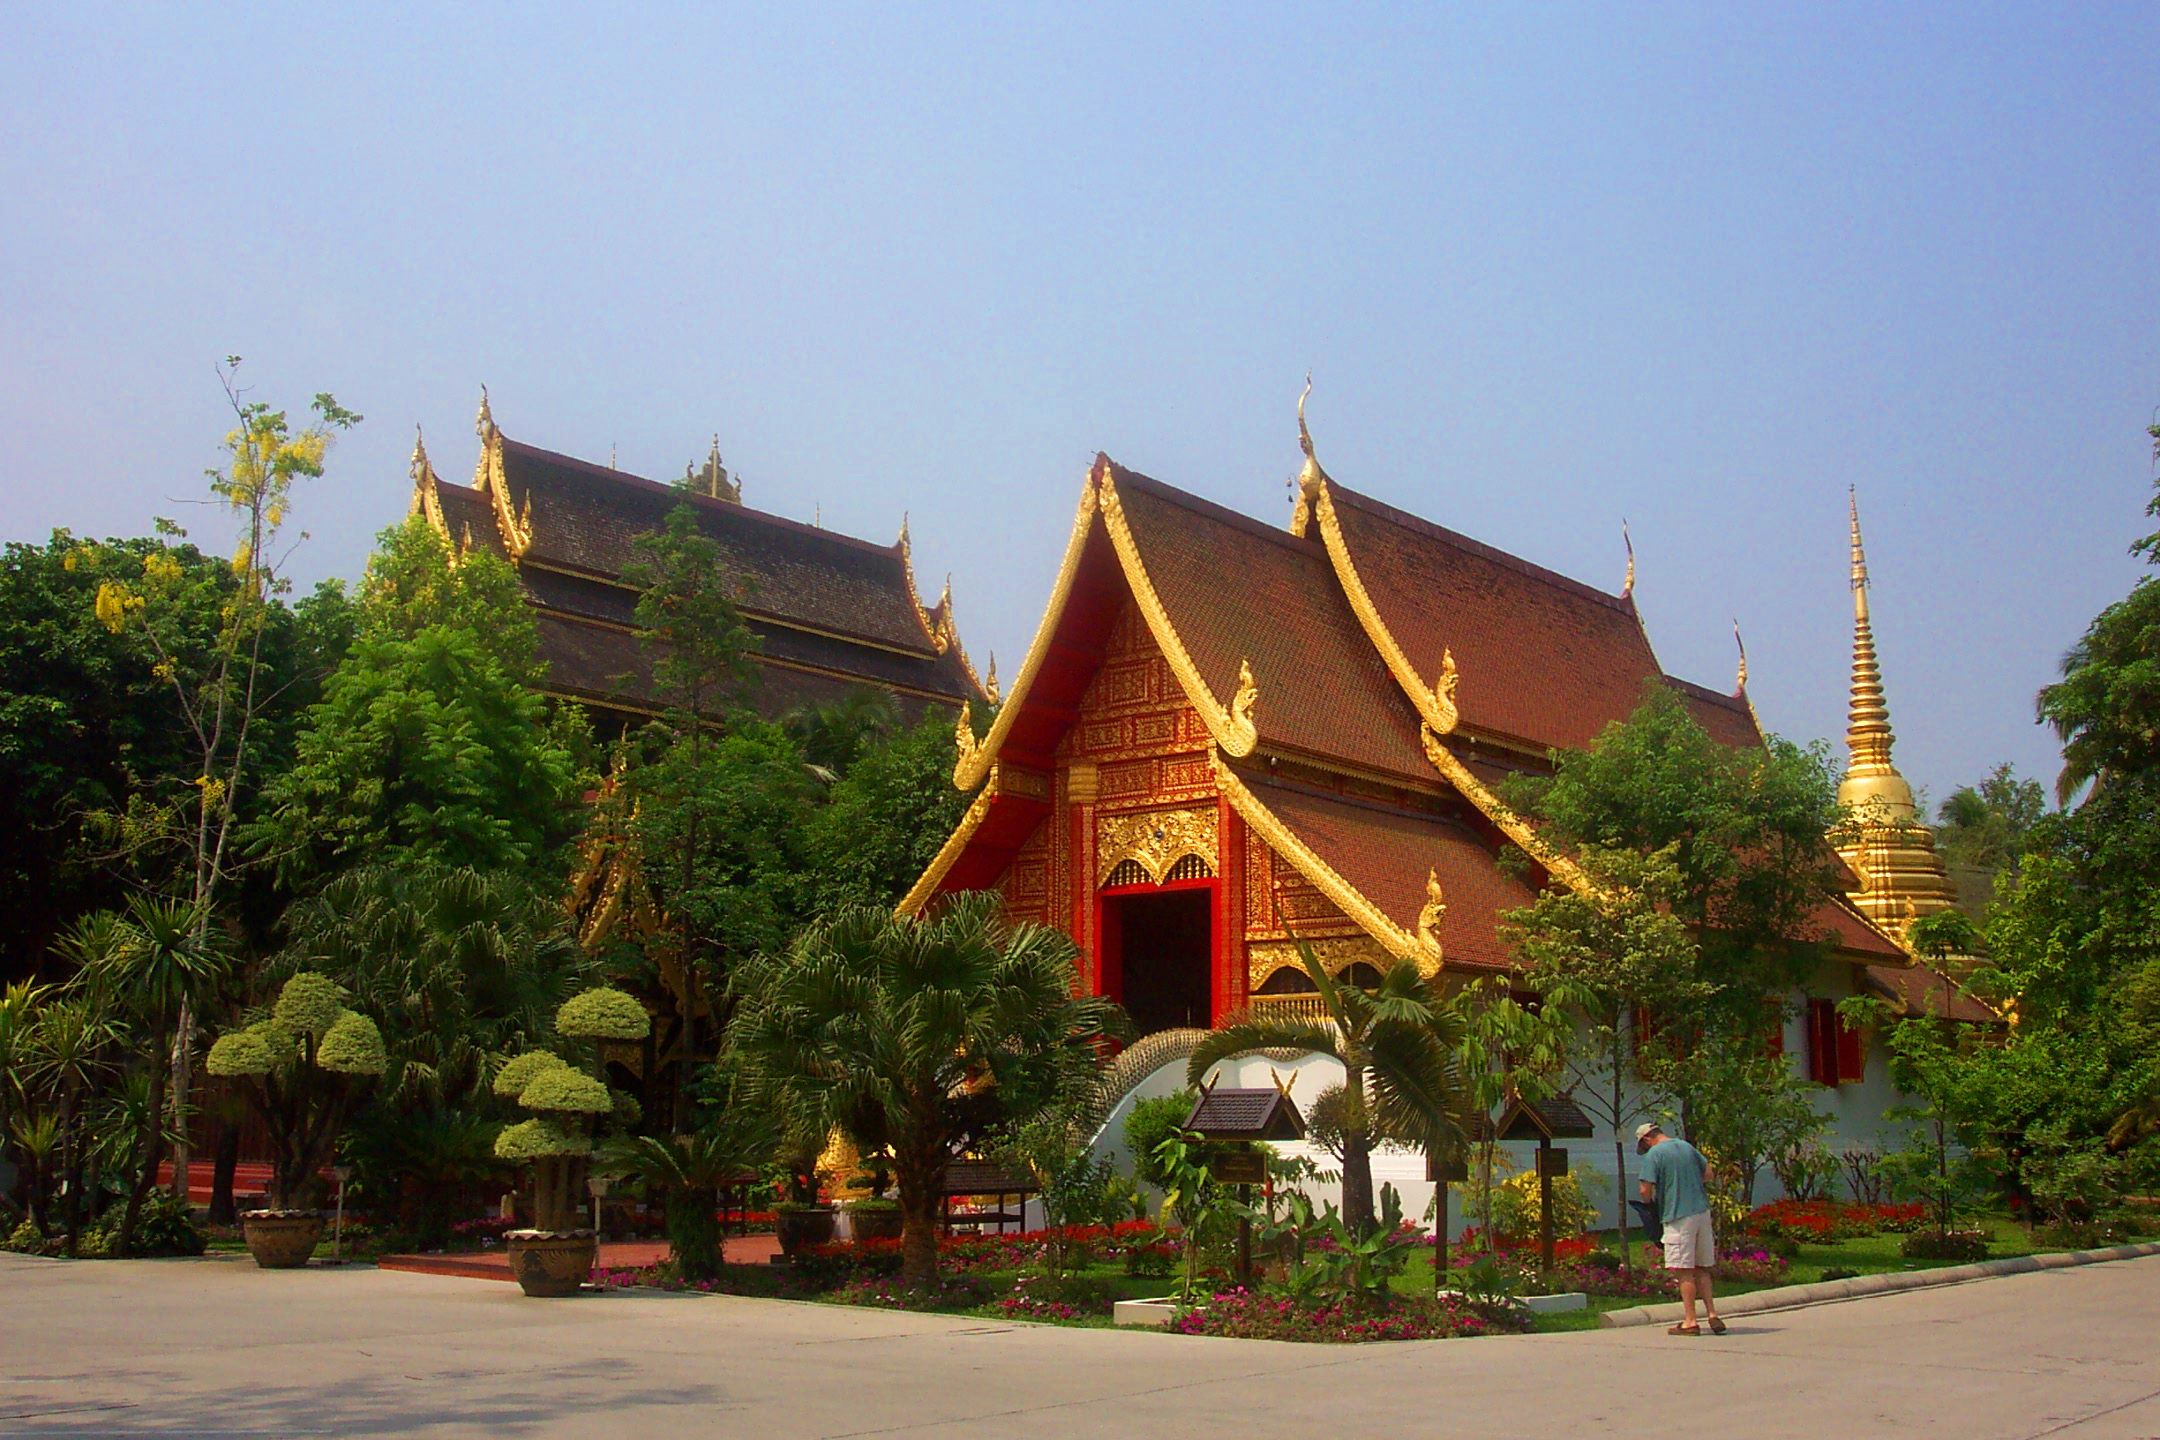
(1163, 949)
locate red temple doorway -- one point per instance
(1158, 949)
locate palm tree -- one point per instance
(151, 964)
(70, 1048)
(689, 1171)
(1397, 1045)
(911, 1033)
(833, 734)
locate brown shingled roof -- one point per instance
(1236, 590)
(1923, 990)
(587, 518)
(1387, 853)
(1542, 658)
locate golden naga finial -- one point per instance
(1429, 917)
(1740, 684)
(484, 425)
(1311, 476)
(990, 685)
(1445, 716)
(964, 739)
(1627, 586)
(1244, 731)
(421, 470)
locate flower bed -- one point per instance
(1829, 1221)
(1245, 1315)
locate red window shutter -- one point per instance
(1851, 1053)
(1822, 1041)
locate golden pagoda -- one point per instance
(1891, 852)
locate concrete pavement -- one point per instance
(215, 1348)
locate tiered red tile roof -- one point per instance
(1543, 661)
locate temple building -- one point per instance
(831, 613)
(1228, 736)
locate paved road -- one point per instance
(215, 1348)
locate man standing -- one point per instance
(1676, 1176)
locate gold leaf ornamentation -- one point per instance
(1155, 840)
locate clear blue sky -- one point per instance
(1550, 265)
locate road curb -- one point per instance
(1791, 1296)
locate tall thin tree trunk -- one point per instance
(228, 1167)
(1619, 1161)
(182, 1070)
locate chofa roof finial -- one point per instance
(1627, 585)
(484, 425)
(1740, 684)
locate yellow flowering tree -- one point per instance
(221, 694)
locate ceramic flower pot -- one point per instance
(796, 1229)
(876, 1223)
(281, 1239)
(551, 1262)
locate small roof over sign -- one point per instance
(1556, 1119)
(1262, 1114)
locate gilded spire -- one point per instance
(1740, 682)
(1892, 853)
(1872, 781)
(1627, 585)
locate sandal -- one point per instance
(1717, 1326)
(1685, 1330)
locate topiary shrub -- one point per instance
(602, 1014)
(309, 1004)
(352, 1046)
(303, 1069)
(566, 1091)
(515, 1075)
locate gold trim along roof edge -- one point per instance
(1510, 824)
(1435, 703)
(1233, 728)
(977, 757)
(1346, 897)
(948, 854)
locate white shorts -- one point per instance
(1689, 1244)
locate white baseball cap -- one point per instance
(1648, 1128)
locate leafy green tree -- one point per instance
(834, 734)
(2105, 704)
(88, 723)
(911, 1034)
(1401, 1076)
(221, 694)
(430, 744)
(1506, 1048)
(884, 819)
(1621, 959)
(1741, 828)
(1984, 826)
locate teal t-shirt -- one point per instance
(1676, 1168)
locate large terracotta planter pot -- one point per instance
(798, 1228)
(551, 1262)
(281, 1239)
(876, 1224)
